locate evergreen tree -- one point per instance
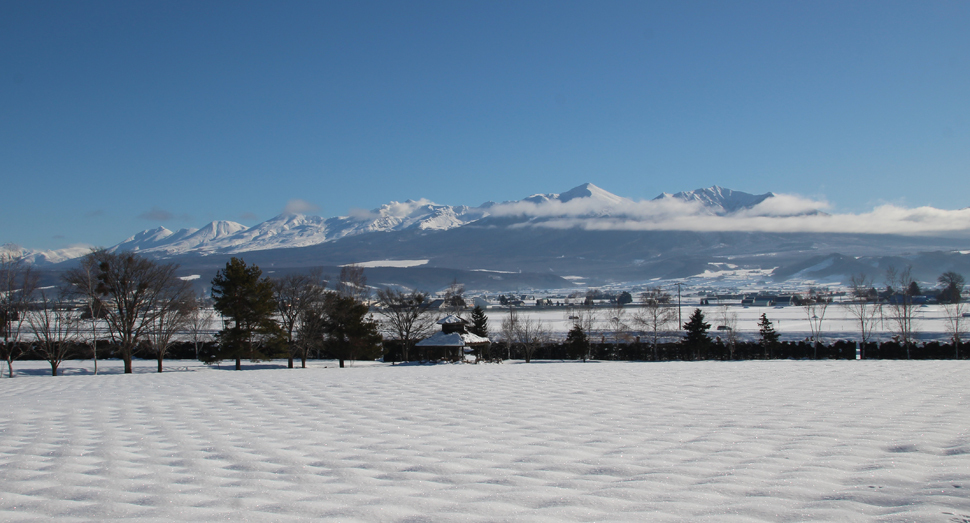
(350, 333)
(913, 289)
(479, 322)
(480, 328)
(247, 301)
(577, 343)
(695, 333)
(624, 298)
(769, 338)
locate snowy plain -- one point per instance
(551, 441)
(791, 322)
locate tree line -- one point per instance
(145, 310)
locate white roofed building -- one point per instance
(452, 342)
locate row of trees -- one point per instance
(144, 306)
(897, 305)
(294, 315)
(140, 301)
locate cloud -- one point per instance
(362, 214)
(157, 214)
(783, 213)
(786, 205)
(298, 206)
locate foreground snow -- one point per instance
(704, 441)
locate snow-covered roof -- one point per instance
(452, 339)
(450, 319)
(440, 339)
(473, 339)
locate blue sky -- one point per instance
(118, 117)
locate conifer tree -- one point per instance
(695, 333)
(479, 322)
(350, 333)
(768, 335)
(245, 299)
(577, 343)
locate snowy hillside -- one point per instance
(607, 441)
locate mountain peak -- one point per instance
(719, 200)
(588, 190)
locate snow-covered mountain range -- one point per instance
(299, 230)
(586, 233)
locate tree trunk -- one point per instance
(303, 362)
(289, 363)
(53, 369)
(127, 363)
(9, 367)
(159, 363)
(238, 363)
(341, 363)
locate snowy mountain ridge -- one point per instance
(300, 230)
(718, 200)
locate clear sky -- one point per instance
(121, 116)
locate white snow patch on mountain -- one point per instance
(391, 263)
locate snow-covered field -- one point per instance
(790, 322)
(701, 441)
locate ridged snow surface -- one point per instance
(547, 442)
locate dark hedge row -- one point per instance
(628, 352)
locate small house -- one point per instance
(453, 341)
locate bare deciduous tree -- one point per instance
(353, 283)
(454, 299)
(816, 302)
(617, 322)
(129, 287)
(18, 282)
(55, 326)
(407, 315)
(728, 319)
(531, 334)
(199, 326)
(85, 287)
(954, 308)
(864, 308)
(956, 323)
(174, 310)
(656, 316)
(295, 293)
(311, 330)
(902, 305)
(952, 283)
